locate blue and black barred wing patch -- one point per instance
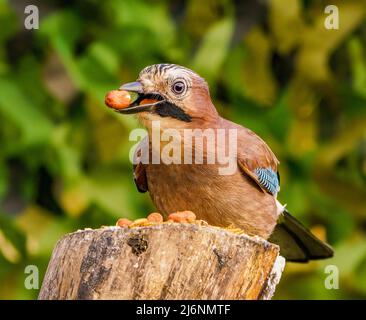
(268, 179)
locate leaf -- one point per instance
(259, 83)
(12, 241)
(134, 14)
(75, 198)
(63, 30)
(348, 256)
(286, 26)
(35, 128)
(106, 57)
(215, 45)
(3, 178)
(359, 278)
(33, 221)
(312, 63)
(111, 192)
(8, 21)
(65, 154)
(358, 64)
(63, 24)
(8, 250)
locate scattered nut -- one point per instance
(141, 220)
(155, 217)
(182, 216)
(123, 222)
(140, 223)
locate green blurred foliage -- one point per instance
(272, 67)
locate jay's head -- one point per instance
(172, 94)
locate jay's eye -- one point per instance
(178, 87)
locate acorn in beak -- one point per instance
(130, 98)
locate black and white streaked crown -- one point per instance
(160, 69)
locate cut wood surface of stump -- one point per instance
(162, 261)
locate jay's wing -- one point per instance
(257, 160)
(296, 242)
(139, 168)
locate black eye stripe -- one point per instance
(168, 109)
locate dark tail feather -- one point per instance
(296, 242)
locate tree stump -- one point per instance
(162, 261)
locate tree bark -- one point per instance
(162, 261)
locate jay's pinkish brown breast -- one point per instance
(221, 200)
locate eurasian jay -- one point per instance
(246, 198)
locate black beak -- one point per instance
(135, 106)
